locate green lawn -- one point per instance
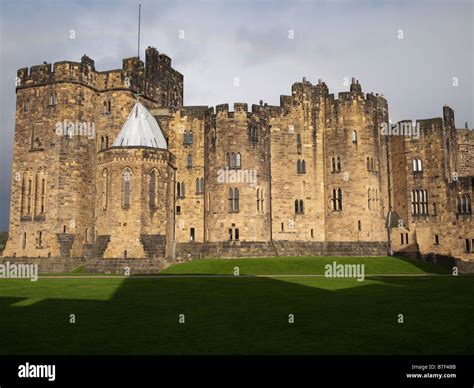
(242, 315)
(302, 266)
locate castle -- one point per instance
(111, 165)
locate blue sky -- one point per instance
(250, 40)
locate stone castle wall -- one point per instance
(326, 177)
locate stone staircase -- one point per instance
(65, 242)
(100, 245)
(154, 245)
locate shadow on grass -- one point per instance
(240, 316)
(429, 267)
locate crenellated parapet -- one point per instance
(154, 79)
(134, 154)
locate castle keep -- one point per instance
(111, 166)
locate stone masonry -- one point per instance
(314, 175)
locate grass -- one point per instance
(246, 315)
(302, 266)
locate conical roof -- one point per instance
(140, 129)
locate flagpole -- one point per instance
(139, 15)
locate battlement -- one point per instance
(155, 78)
(196, 111)
(350, 96)
(265, 109)
(241, 109)
(412, 130)
(47, 73)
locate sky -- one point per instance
(419, 54)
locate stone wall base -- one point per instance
(237, 249)
(126, 266)
(230, 250)
(445, 261)
(92, 265)
(47, 264)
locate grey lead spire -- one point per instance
(141, 129)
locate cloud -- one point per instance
(249, 40)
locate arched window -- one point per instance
(260, 200)
(202, 185)
(227, 160)
(43, 196)
(105, 188)
(102, 142)
(190, 161)
(52, 99)
(417, 202)
(106, 142)
(153, 187)
(23, 193)
(354, 137)
(238, 160)
(466, 204)
(236, 200)
(339, 199)
(180, 189)
(23, 245)
(338, 164)
(422, 201)
(28, 203)
(190, 137)
(298, 166)
(231, 200)
(368, 163)
(459, 204)
(368, 196)
(336, 199)
(303, 167)
(127, 187)
(299, 206)
(198, 186)
(232, 160)
(333, 164)
(372, 167)
(417, 165)
(413, 202)
(35, 199)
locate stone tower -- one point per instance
(66, 114)
(135, 180)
